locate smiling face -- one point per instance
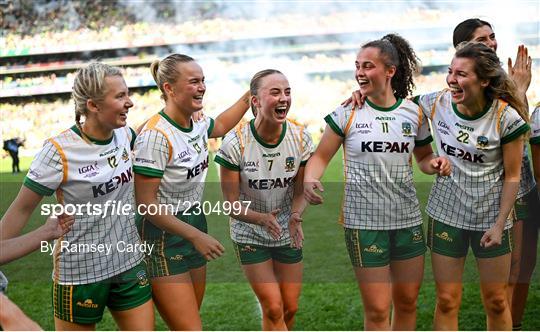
(113, 109)
(188, 90)
(273, 98)
(372, 74)
(486, 36)
(464, 84)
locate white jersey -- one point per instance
(177, 155)
(526, 182)
(377, 151)
(82, 172)
(535, 126)
(470, 197)
(267, 174)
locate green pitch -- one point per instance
(330, 299)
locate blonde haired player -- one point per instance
(91, 163)
(171, 162)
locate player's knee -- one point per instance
(290, 310)
(448, 303)
(496, 303)
(274, 311)
(378, 314)
(406, 303)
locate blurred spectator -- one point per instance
(12, 147)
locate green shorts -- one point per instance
(84, 304)
(373, 248)
(252, 254)
(525, 206)
(454, 242)
(172, 254)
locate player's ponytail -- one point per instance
(397, 52)
(166, 70)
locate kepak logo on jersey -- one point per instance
(251, 166)
(482, 143)
(90, 170)
(379, 146)
(264, 184)
(289, 164)
(462, 154)
(113, 184)
(406, 128)
(197, 170)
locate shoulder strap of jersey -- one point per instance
(62, 157)
(239, 128)
(434, 107)
(349, 121)
(500, 111)
(151, 125)
(300, 134)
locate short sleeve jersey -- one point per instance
(267, 176)
(94, 173)
(470, 197)
(177, 155)
(377, 149)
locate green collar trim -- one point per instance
(261, 141)
(474, 117)
(93, 140)
(171, 121)
(385, 109)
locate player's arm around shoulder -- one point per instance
(230, 117)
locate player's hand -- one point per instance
(208, 247)
(492, 237)
(56, 226)
(356, 99)
(310, 185)
(441, 165)
(270, 223)
(520, 71)
(295, 231)
(197, 116)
